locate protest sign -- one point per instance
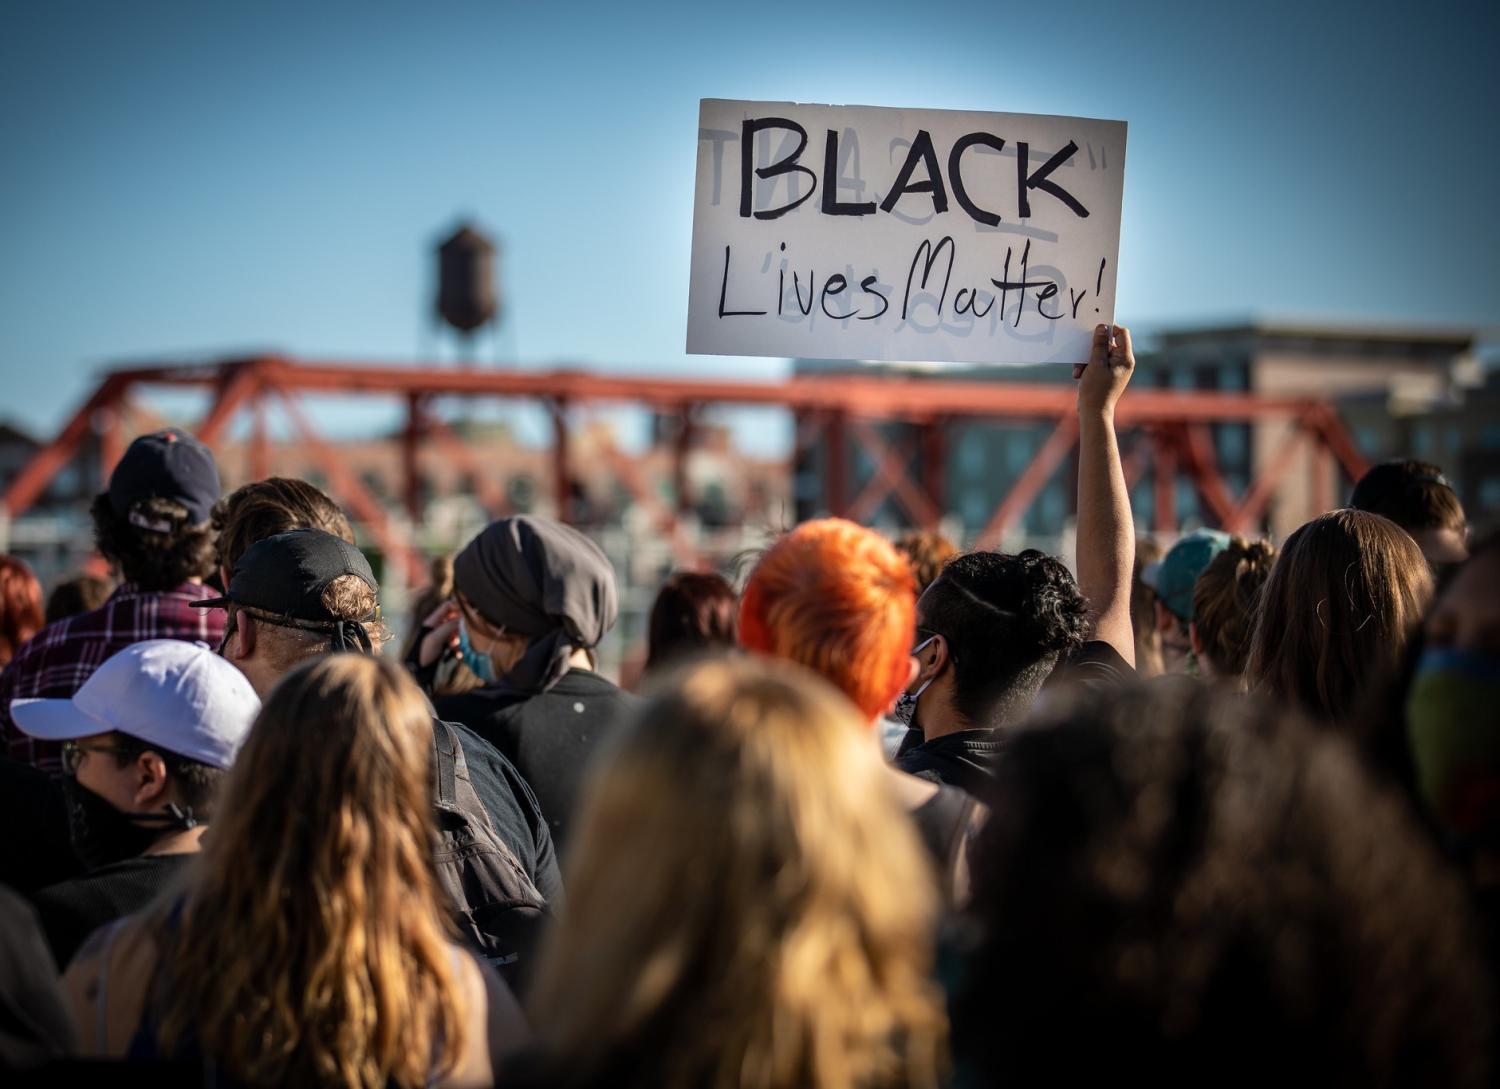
(859, 232)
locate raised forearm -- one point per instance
(1106, 530)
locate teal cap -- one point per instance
(1173, 576)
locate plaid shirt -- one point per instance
(55, 662)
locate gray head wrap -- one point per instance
(544, 580)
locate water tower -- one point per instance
(468, 296)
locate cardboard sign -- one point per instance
(857, 232)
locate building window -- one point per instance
(1367, 438)
(971, 452)
(1421, 441)
(1018, 449)
(975, 509)
(1233, 444)
(1489, 493)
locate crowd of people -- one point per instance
(887, 815)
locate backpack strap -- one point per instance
(455, 790)
(448, 757)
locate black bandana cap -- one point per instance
(283, 578)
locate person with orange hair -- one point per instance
(840, 600)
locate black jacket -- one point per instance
(965, 759)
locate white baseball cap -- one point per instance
(179, 696)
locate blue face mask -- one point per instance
(479, 664)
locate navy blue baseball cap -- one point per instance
(168, 464)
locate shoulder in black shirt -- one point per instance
(72, 910)
(1095, 665)
(514, 811)
(964, 759)
(548, 736)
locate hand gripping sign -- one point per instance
(857, 232)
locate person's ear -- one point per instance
(936, 656)
(1166, 623)
(932, 659)
(150, 781)
(242, 643)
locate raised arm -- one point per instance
(1106, 531)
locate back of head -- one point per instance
(308, 593)
(312, 948)
(152, 521)
(1225, 598)
(545, 581)
(1202, 891)
(1336, 612)
(20, 606)
(1174, 577)
(153, 545)
(926, 550)
(746, 899)
(79, 594)
(264, 508)
(694, 612)
(838, 599)
(1413, 494)
(1007, 621)
(347, 599)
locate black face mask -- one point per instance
(102, 834)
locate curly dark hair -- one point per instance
(155, 560)
(1007, 620)
(1181, 883)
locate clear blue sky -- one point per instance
(180, 178)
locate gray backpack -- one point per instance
(496, 904)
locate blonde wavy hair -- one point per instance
(313, 946)
(748, 906)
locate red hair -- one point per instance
(840, 600)
(20, 606)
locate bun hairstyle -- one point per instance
(1225, 598)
